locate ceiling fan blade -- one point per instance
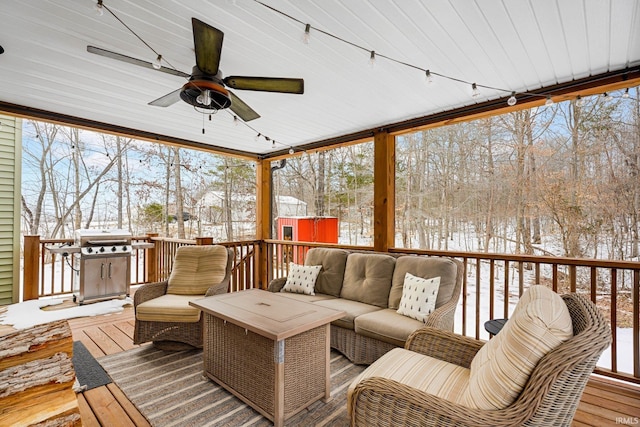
(207, 42)
(167, 100)
(243, 111)
(134, 61)
(266, 84)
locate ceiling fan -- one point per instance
(207, 88)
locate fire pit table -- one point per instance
(254, 339)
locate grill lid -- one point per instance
(92, 237)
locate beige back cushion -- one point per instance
(427, 268)
(196, 268)
(367, 278)
(333, 262)
(499, 371)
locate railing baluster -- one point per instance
(506, 289)
(614, 319)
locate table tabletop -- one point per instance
(267, 313)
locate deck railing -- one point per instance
(492, 283)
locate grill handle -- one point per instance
(106, 242)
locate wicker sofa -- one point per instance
(368, 286)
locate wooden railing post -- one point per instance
(151, 260)
(203, 241)
(384, 191)
(31, 272)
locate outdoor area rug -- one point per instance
(89, 373)
(169, 389)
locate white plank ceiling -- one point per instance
(511, 45)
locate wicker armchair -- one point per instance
(166, 318)
(549, 398)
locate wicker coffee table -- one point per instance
(270, 351)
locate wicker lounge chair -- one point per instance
(549, 398)
(163, 313)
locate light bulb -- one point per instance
(307, 35)
(549, 101)
(512, 100)
(474, 90)
(579, 101)
(291, 151)
(99, 8)
(372, 59)
(204, 98)
(235, 120)
(157, 64)
(273, 144)
(428, 77)
(257, 137)
(626, 93)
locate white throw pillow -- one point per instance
(418, 296)
(301, 279)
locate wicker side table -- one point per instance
(269, 351)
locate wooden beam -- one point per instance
(384, 191)
(263, 218)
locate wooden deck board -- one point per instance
(602, 401)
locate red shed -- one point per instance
(307, 229)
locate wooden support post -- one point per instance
(203, 241)
(384, 191)
(31, 273)
(263, 220)
(151, 260)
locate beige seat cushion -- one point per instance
(169, 308)
(196, 268)
(352, 308)
(387, 325)
(427, 268)
(499, 371)
(433, 376)
(367, 278)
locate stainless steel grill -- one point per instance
(103, 260)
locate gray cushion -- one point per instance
(333, 263)
(387, 325)
(367, 278)
(425, 267)
(352, 308)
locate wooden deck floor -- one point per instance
(604, 402)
